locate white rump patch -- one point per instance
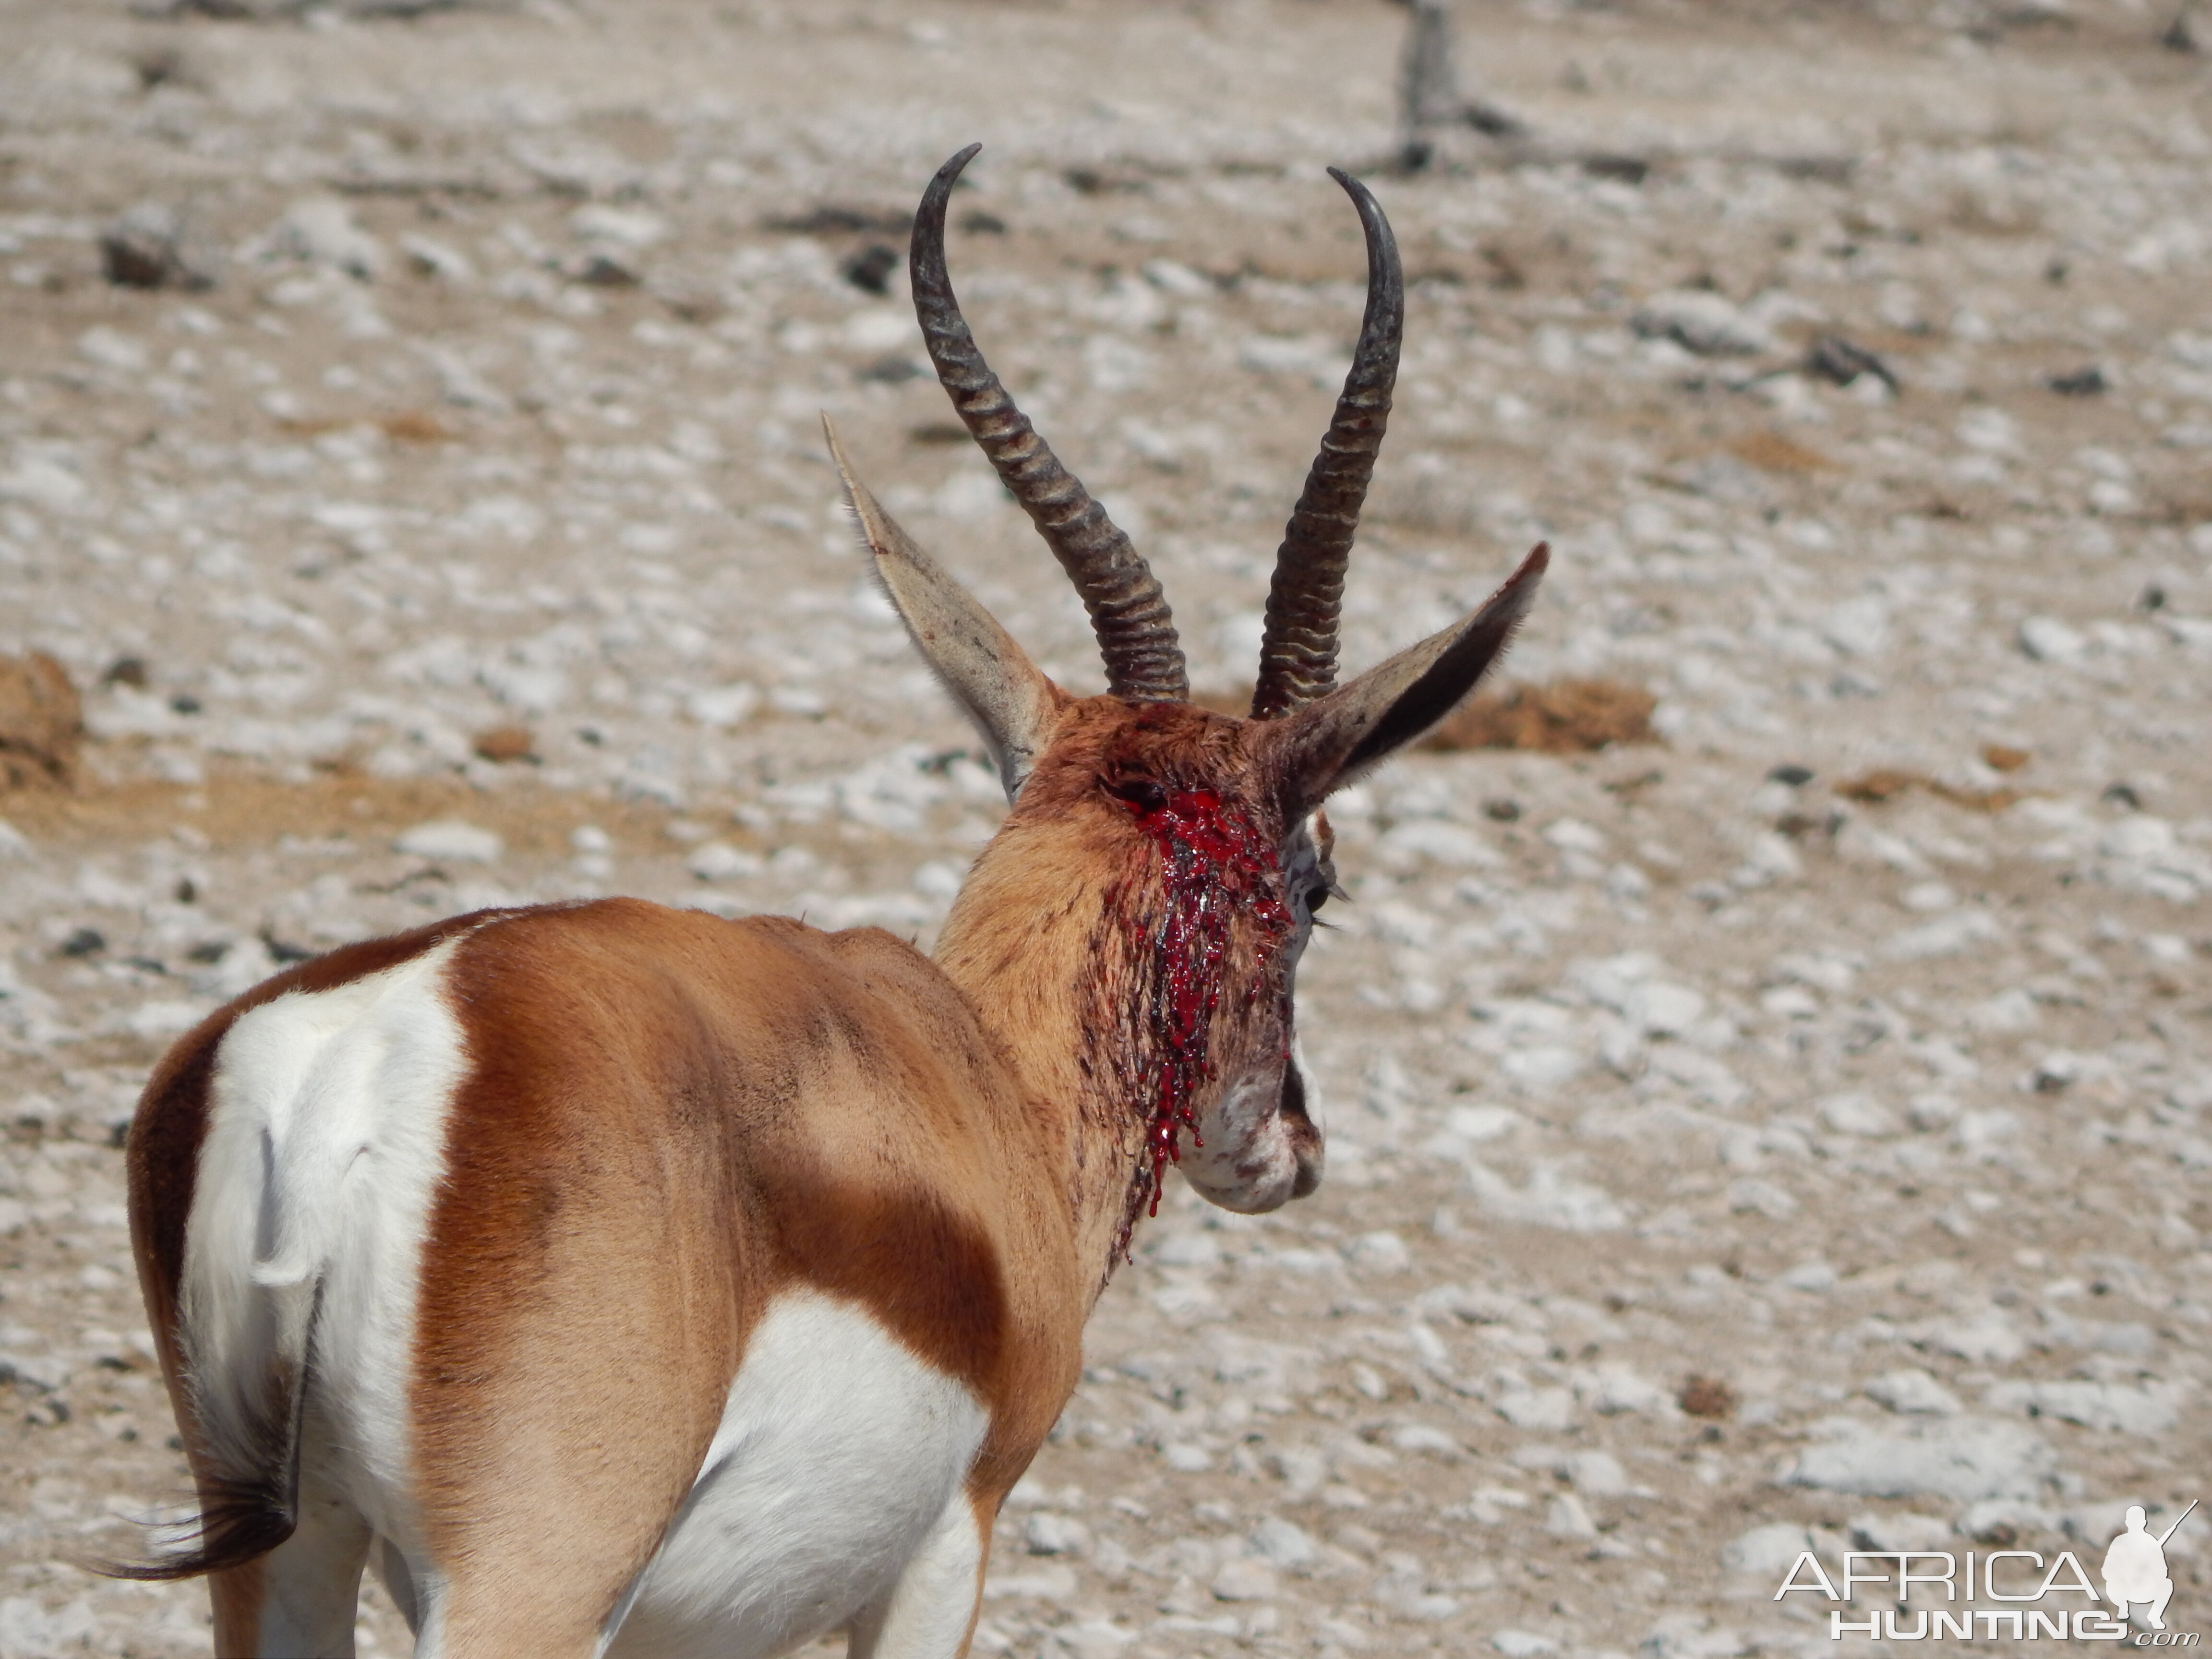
(325, 1145)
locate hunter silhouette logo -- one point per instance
(2135, 1567)
(2133, 1574)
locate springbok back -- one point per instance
(623, 1280)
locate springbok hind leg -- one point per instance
(298, 1602)
(930, 1613)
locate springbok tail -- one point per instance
(249, 1479)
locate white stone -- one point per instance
(1990, 431)
(940, 879)
(1767, 1553)
(1422, 1438)
(1379, 1252)
(1665, 1009)
(323, 231)
(1963, 1459)
(47, 481)
(1315, 355)
(164, 1019)
(1947, 936)
(1048, 1533)
(532, 688)
(1404, 1590)
(1859, 626)
(1544, 1067)
(1550, 1200)
(879, 328)
(1857, 1114)
(1539, 1411)
(112, 349)
(1442, 842)
(2007, 1014)
(2048, 640)
(29, 1630)
(723, 706)
(45, 1372)
(1986, 1133)
(1573, 836)
(450, 840)
(1053, 1584)
(1566, 1517)
(1088, 1638)
(1481, 1123)
(1988, 1337)
(1615, 1388)
(1703, 322)
(1190, 1247)
(1929, 897)
(2114, 1407)
(1522, 1644)
(717, 860)
(1246, 1579)
(1283, 1544)
(1599, 1473)
(431, 258)
(1809, 1276)
(635, 228)
(1750, 1193)
(2141, 838)
(1912, 1391)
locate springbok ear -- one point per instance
(1011, 705)
(1329, 742)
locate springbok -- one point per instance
(626, 1279)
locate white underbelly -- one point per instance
(838, 1452)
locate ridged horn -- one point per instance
(1128, 610)
(1298, 654)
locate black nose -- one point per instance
(1305, 1134)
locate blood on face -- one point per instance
(1217, 862)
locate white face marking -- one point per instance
(326, 1141)
(838, 1456)
(1256, 1155)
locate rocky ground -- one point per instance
(1788, 1135)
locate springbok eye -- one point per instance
(1316, 897)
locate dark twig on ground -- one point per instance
(154, 244)
(1837, 360)
(2081, 383)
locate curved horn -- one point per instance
(1297, 654)
(1128, 611)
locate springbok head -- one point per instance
(1174, 856)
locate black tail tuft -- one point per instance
(239, 1522)
(249, 1501)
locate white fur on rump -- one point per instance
(326, 1141)
(833, 1484)
(832, 1494)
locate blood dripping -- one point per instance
(1216, 861)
